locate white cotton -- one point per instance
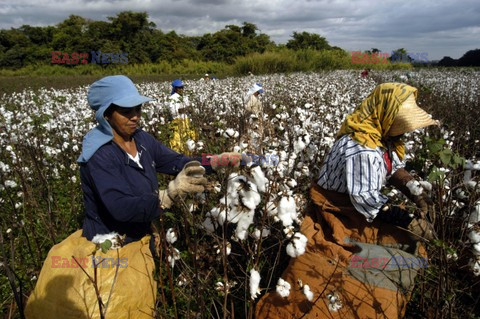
(334, 302)
(219, 214)
(208, 224)
(249, 195)
(173, 257)
(254, 283)
(230, 132)
(244, 221)
(469, 165)
(11, 184)
(228, 248)
(190, 145)
(474, 265)
(114, 238)
(474, 237)
(475, 214)
(476, 249)
(297, 246)
(299, 145)
(271, 208)
(234, 214)
(291, 183)
(426, 185)
(287, 210)
(289, 231)
(171, 236)
(283, 288)
(414, 187)
(307, 292)
(259, 178)
(257, 234)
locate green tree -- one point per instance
(306, 40)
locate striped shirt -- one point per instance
(358, 171)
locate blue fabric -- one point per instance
(176, 84)
(261, 90)
(117, 89)
(119, 195)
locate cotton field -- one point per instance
(229, 246)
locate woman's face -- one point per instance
(124, 120)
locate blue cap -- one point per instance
(118, 90)
(176, 84)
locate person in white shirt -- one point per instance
(180, 125)
(254, 118)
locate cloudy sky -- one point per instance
(438, 27)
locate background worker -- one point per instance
(350, 219)
(180, 126)
(254, 126)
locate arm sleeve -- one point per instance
(396, 163)
(364, 182)
(117, 196)
(167, 161)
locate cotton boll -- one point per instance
(219, 214)
(299, 145)
(175, 255)
(474, 265)
(474, 236)
(113, 237)
(307, 292)
(474, 216)
(245, 220)
(208, 224)
(283, 288)
(271, 208)
(265, 232)
(426, 185)
(254, 284)
(297, 246)
(190, 145)
(289, 231)
(414, 187)
(287, 210)
(171, 236)
(249, 195)
(476, 249)
(259, 178)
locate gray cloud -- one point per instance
(438, 27)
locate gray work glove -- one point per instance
(189, 180)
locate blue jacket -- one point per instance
(119, 195)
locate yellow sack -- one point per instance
(64, 291)
(181, 133)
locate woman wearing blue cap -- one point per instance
(118, 167)
(180, 124)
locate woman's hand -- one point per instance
(189, 180)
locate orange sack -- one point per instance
(355, 269)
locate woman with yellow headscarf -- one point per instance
(361, 257)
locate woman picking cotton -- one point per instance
(118, 167)
(357, 243)
(180, 126)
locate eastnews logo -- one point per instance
(82, 57)
(83, 262)
(395, 57)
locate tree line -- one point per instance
(131, 37)
(132, 33)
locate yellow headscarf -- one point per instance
(371, 121)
